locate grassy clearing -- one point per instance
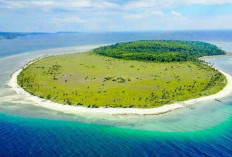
(91, 80)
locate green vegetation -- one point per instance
(91, 80)
(160, 50)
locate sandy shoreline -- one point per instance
(115, 111)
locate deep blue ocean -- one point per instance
(204, 129)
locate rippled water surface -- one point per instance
(204, 129)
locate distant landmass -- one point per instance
(66, 32)
(13, 35)
(194, 35)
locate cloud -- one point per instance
(39, 3)
(168, 4)
(176, 14)
(105, 4)
(139, 4)
(209, 2)
(68, 20)
(53, 4)
(112, 15)
(155, 13)
(135, 16)
(221, 21)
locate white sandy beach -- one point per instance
(115, 111)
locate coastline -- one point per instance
(114, 111)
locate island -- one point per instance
(139, 74)
(14, 35)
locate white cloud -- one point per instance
(221, 21)
(144, 14)
(157, 13)
(112, 14)
(176, 14)
(168, 4)
(11, 5)
(106, 4)
(101, 5)
(208, 2)
(135, 16)
(53, 4)
(41, 3)
(139, 4)
(68, 20)
(154, 14)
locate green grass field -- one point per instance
(91, 80)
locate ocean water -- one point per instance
(204, 129)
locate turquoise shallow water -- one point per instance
(26, 130)
(44, 137)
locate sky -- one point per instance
(114, 15)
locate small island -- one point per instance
(139, 74)
(10, 35)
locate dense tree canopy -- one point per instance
(160, 50)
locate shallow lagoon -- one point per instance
(203, 129)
